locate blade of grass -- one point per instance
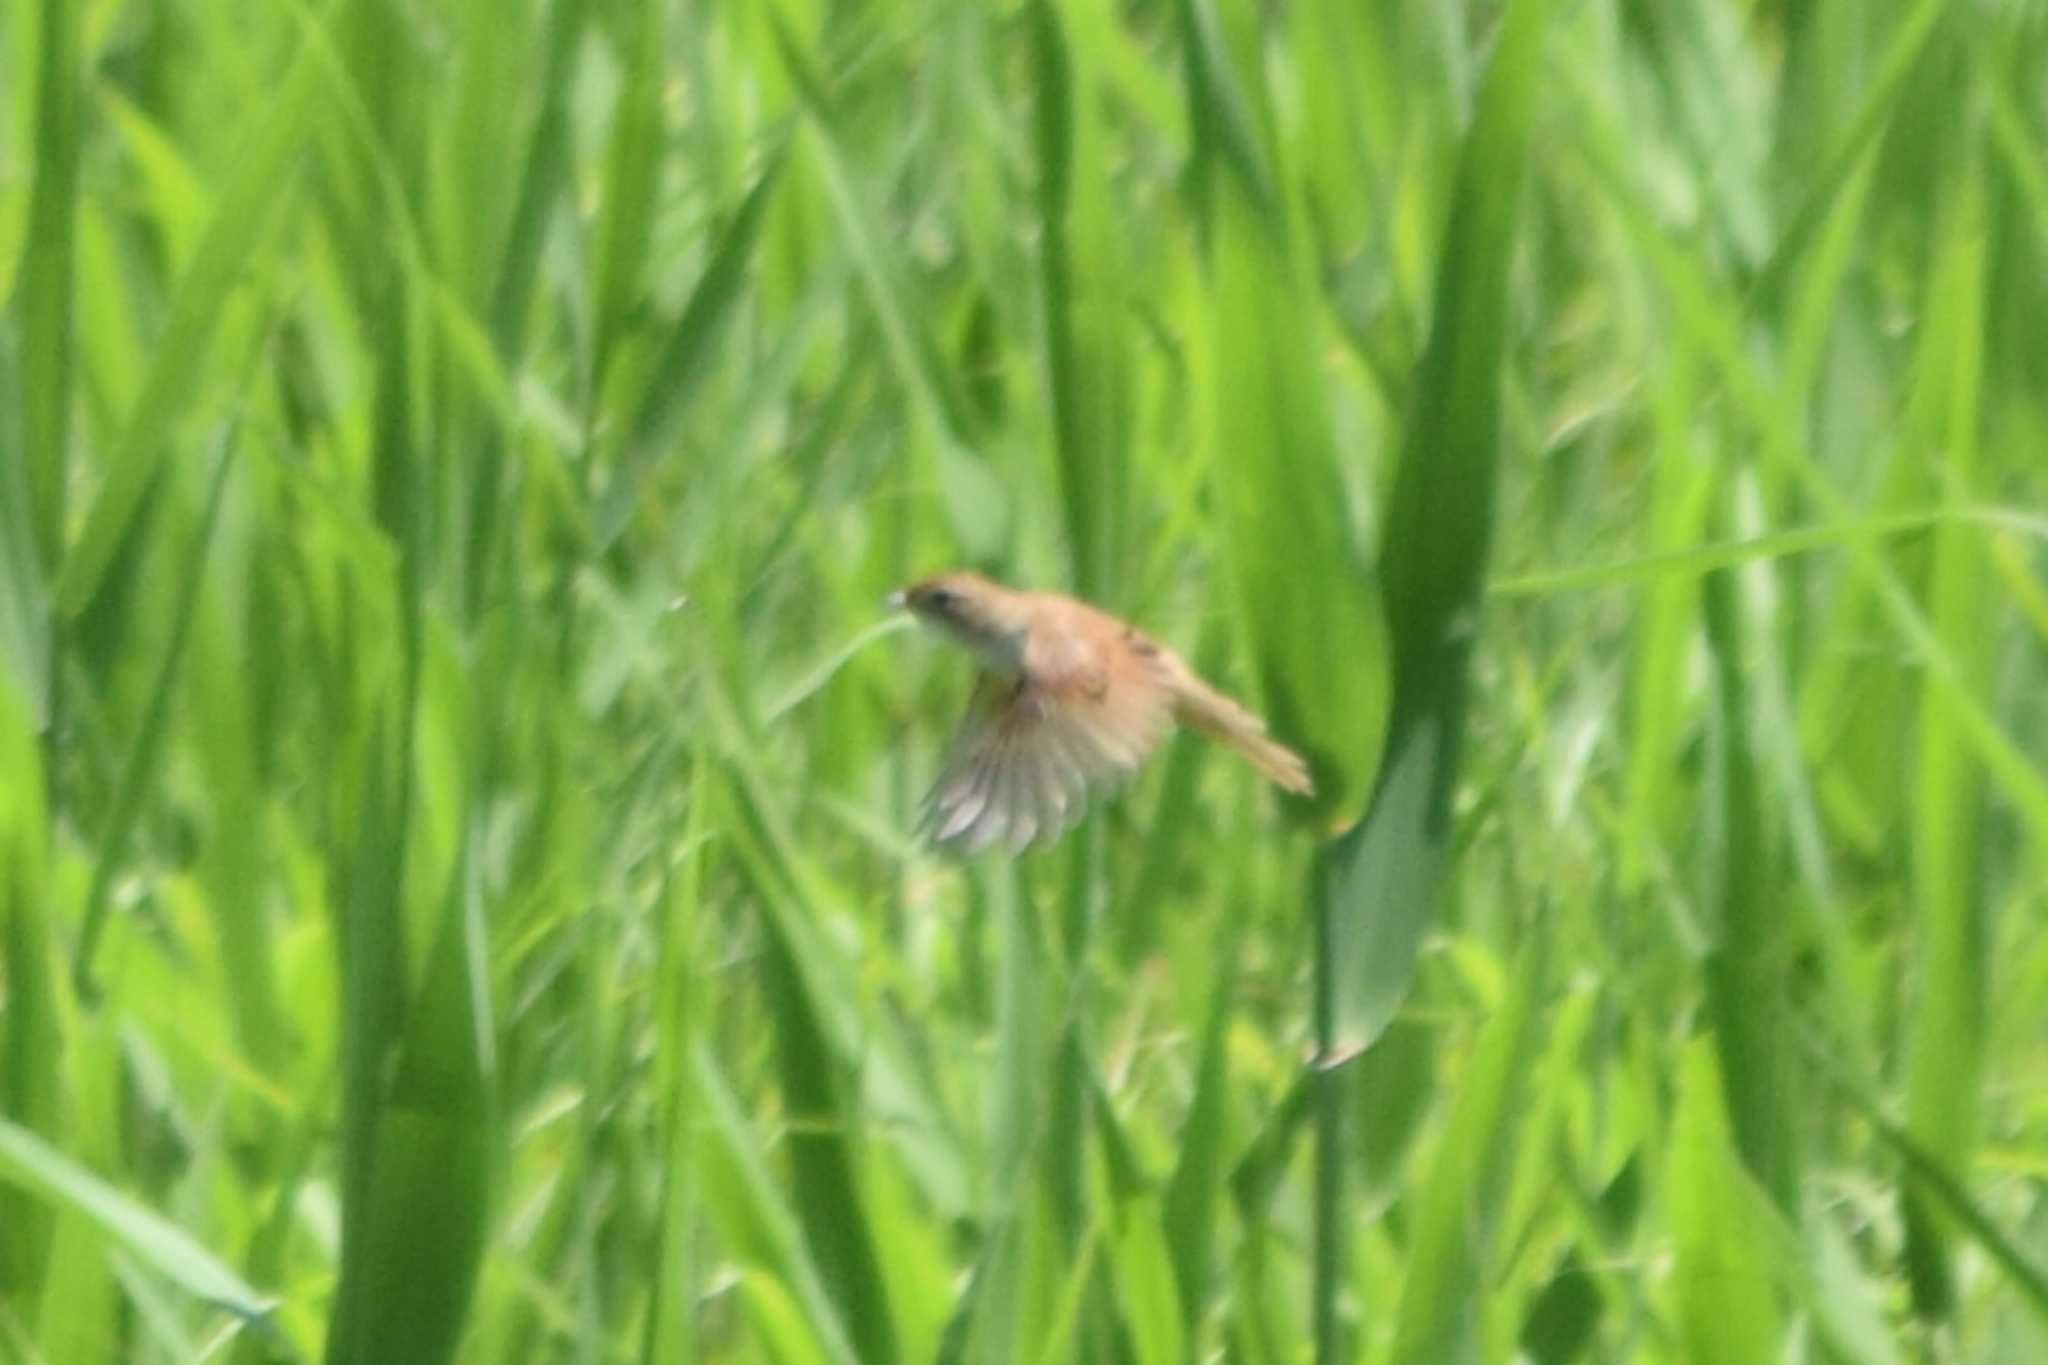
(632, 178)
(1378, 886)
(139, 775)
(46, 299)
(1694, 561)
(423, 1232)
(1086, 361)
(1946, 1041)
(242, 215)
(1380, 891)
(1441, 1311)
(1744, 977)
(1935, 1178)
(1188, 1213)
(899, 313)
(30, 1045)
(757, 1220)
(26, 620)
(686, 359)
(1727, 1314)
(1712, 324)
(32, 1164)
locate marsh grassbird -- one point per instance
(1070, 700)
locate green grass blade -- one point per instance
(139, 776)
(1302, 591)
(632, 178)
(30, 1079)
(1087, 367)
(1442, 1305)
(1946, 1043)
(1939, 1183)
(757, 1220)
(1196, 1189)
(411, 1275)
(1727, 1314)
(46, 302)
(911, 348)
(25, 618)
(1746, 987)
(32, 1164)
(686, 358)
(1382, 885)
(242, 214)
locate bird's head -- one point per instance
(986, 617)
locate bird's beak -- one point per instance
(895, 600)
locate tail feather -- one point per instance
(1202, 707)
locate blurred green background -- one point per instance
(457, 781)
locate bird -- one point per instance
(1069, 700)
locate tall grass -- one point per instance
(458, 897)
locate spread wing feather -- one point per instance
(1031, 752)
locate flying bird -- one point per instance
(1069, 700)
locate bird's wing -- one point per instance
(1031, 750)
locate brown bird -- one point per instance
(1069, 699)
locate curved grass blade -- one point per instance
(180, 355)
(31, 1044)
(1745, 986)
(757, 1221)
(1461, 1202)
(1087, 362)
(407, 1279)
(1727, 1313)
(1949, 1028)
(32, 1164)
(1941, 1184)
(686, 358)
(1380, 890)
(46, 300)
(138, 778)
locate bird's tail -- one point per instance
(1202, 707)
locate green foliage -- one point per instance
(458, 897)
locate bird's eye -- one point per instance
(940, 599)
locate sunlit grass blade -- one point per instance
(45, 302)
(686, 358)
(1149, 1309)
(1195, 1193)
(139, 776)
(30, 1163)
(242, 214)
(1377, 889)
(1938, 1183)
(1745, 982)
(30, 1081)
(1880, 101)
(756, 1220)
(1727, 1314)
(1087, 369)
(422, 1235)
(1382, 886)
(370, 935)
(1442, 1307)
(1711, 323)
(1303, 591)
(1945, 1055)
(25, 630)
(671, 1322)
(911, 347)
